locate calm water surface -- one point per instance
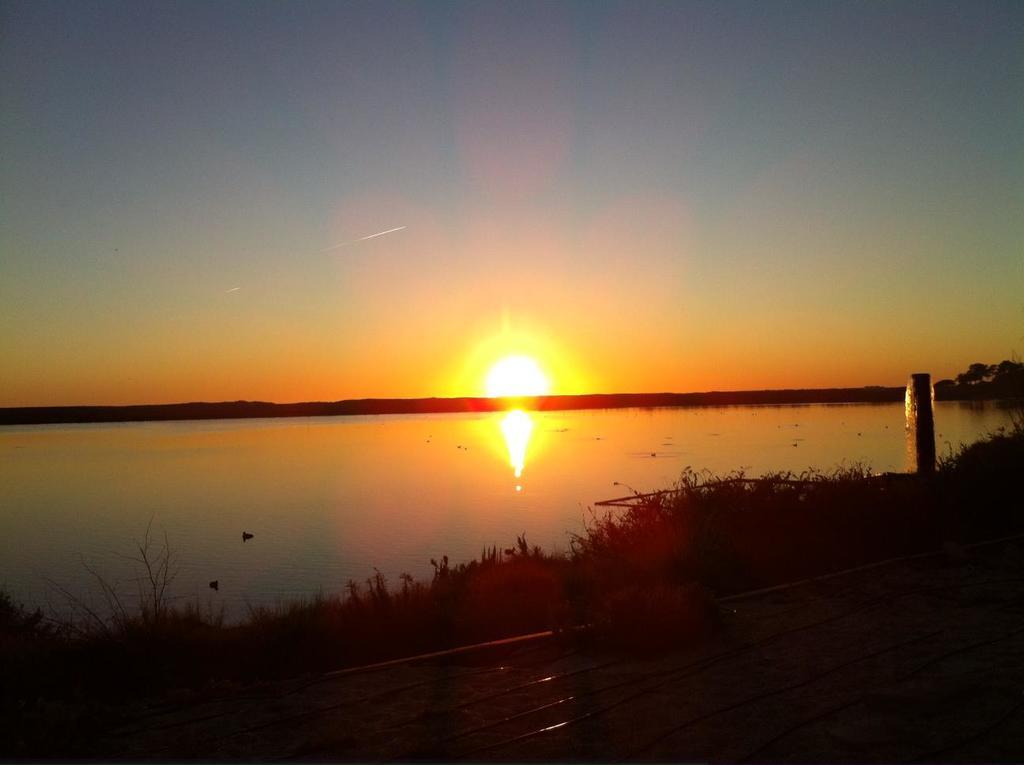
(328, 499)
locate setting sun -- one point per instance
(515, 376)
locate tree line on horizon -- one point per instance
(1002, 380)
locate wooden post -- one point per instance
(921, 421)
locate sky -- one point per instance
(671, 196)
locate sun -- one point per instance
(516, 376)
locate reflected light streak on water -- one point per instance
(516, 428)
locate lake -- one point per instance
(329, 499)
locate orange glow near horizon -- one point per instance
(277, 362)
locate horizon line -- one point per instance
(544, 397)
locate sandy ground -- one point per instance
(915, 660)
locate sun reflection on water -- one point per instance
(516, 428)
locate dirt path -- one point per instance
(922, 659)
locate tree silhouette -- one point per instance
(1002, 380)
(975, 373)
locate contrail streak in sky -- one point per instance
(233, 289)
(364, 238)
(380, 233)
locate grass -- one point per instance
(645, 578)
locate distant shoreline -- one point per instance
(226, 410)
